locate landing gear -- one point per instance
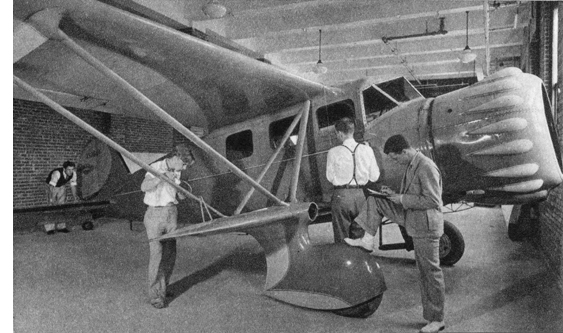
(452, 245)
(362, 310)
(524, 222)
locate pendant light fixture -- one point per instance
(320, 68)
(467, 55)
(214, 10)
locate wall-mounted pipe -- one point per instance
(440, 31)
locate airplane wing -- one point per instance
(198, 83)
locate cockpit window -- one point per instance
(400, 89)
(376, 103)
(328, 115)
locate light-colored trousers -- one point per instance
(426, 252)
(159, 221)
(55, 196)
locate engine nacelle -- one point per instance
(494, 142)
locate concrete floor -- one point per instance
(94, 281)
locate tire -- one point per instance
(452, 245)
(362, 310)
(88, 225)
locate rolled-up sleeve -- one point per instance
(54, 178)
(373, 168)
(330, 166)
(73, 179)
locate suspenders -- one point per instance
(354, 160)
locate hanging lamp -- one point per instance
(320, 68)
(214, 10)
(467, 55)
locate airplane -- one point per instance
(268, 130)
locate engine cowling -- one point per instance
(494, 142)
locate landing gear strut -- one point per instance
(452, 245)
(523, 224)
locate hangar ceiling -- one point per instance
(420, 40)
(353, 33)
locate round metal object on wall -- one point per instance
(94, 166)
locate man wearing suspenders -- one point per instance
(349, 167)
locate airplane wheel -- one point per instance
(88, 225)
(452, 245)
(362, 310)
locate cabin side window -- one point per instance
(239, 145)
(277, 130)
(376, 103)
(328, 115)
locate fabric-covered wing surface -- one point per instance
(228, 87)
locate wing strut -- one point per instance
(85, 126)
(306, 106)
(299, 153)
(47, 21)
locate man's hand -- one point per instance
(170, 174)
(181, 196)
(392, 195)
(387, 190)
(395, 198)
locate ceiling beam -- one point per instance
(498, 51)
(454, 24)
(377, 47)
(343, 15)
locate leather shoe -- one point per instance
(64, 230)
(360, 242)
(433, 327)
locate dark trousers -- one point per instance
(346, 204)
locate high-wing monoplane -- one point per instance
(268, 130)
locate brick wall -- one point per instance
(550, 236)
(44, 139)
(138, 135)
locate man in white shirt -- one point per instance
(56, 191)
(161, 218)
(349, 167)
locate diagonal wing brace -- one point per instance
(46, 21)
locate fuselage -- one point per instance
(494, 142)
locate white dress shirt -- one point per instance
(340, 165)
(162, 194)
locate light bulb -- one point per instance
(214, 10)
(467, 55)
(320, 68)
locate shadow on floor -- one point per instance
(237, 260)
